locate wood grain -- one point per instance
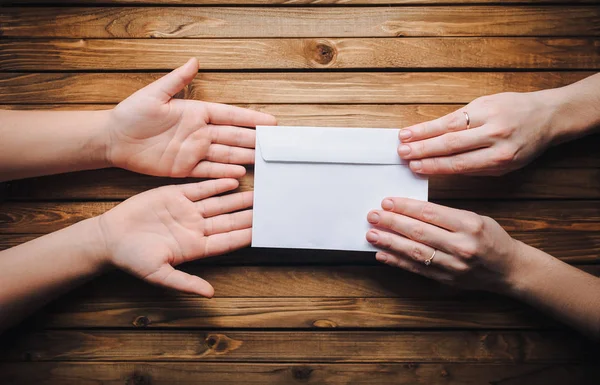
(390, 326)
(323, 87)
(203, 22)
(528, 183)
(278, 281)
(571, 247)
(281, 281)
(285, 313)
(92, 373)
(234, 54)
(337, 297)
(580, 153)
(538, 215)
(232, 346)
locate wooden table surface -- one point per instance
(287, 316)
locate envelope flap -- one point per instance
(328, 145)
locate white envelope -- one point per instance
(314, 186)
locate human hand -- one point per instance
(471, 251)
(152, 133)
(151, 232)
(507, 131)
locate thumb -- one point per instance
(169, 277)
(173, 82)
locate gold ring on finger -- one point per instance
(430, 259)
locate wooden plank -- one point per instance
(541, 215)
(577, 154)
(572, 247)
(338, 297)
(528, 183)
(87, 308)
(47, 217)
(231, 54)
(322, 87)
(433, 347)
(282, 313)
(281, 281)
(547, 183)
(91, 373)
(203, 22)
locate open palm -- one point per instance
(152, 133)
(151, 232)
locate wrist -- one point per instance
(528, 266)
(101, 142)
(567, 117)
(555, 106)
(92, 237)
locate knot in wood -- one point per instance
(211, 341)
(221, 344)
(324, 323)
(321, 53)
(326, 53)
(141, 321)
(138, 378)
(302, 373)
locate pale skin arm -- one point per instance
(507, 131)
(149, 132)
(474, 252)
(146, 236)
(43, 142)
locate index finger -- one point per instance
(237, 116)
(441, 216)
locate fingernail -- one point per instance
(372, 237)
(381, 257)
(416, 165)
(373, 218)
(404, 134)
(404, 150)
(387, 204)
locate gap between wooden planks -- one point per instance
(284, 87)
(319, 53)
(333, 297)
(577, 154)
(308, 372)
(231, 22)
(536, 215)
(575, 247)
(577, 182)
(290, 346)
(164, 311)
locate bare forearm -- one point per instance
(563, 291)
(50, 142)
(574, 109)
(35, 272)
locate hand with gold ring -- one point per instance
(449, 245)
(471, 251)
(500, 133)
